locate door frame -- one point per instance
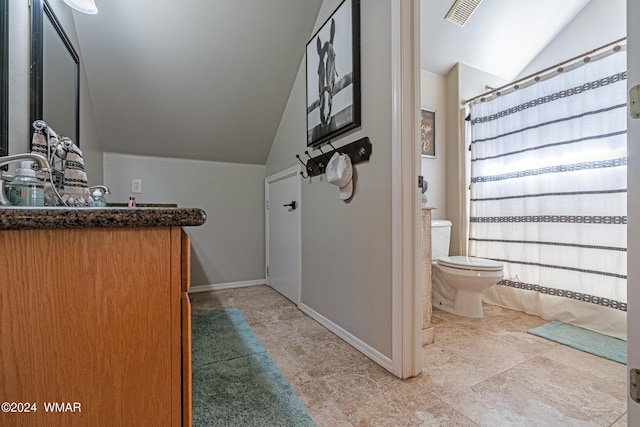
(633, 215)
(293, 171)
(407, 280)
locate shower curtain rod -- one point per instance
(538, 75)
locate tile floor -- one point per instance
(479, 372)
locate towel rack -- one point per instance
(358, 151)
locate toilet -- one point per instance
(458, 281)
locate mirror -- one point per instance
(55, 73)
(4, 78)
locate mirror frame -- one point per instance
(4, 78)
(40, 8)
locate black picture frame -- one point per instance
(4, 78)
(41, 10)
(428, 133)
(333, 75)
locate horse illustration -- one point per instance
(326, 75)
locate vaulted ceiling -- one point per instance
(501, 36)
(209, 79)
(200, 79)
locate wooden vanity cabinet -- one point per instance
(187, 413)
(98, 317)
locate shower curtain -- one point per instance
(548, 195)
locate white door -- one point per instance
(283, 233)
(633, 209)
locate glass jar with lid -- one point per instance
(97, 198)
(26, 189)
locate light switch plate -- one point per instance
(136, 186)
(634, 102)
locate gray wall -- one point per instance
(229, 247)
(346, 247)
(18, 77)
(19, 61)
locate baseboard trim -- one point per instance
(230, 285)
(352, 340)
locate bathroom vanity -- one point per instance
(95, 316)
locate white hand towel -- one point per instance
(75, 188)
(39, 145)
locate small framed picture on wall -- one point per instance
(428, 133)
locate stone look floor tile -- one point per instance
(253, 318)
(590, 364)
(327, 357)
(479, 372)
(288, 366)
(357, 386)
(260, 331)
(621, 422)
(498, 402)
(312, 392)
(445, 373)
(483, 349)
(205, 301)
(602, 401)
(391, 405)
(277, 313)
(496, 320)
(328, 414)
(298, 329)
(440, 414)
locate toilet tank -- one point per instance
(440, 237)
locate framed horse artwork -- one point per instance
(333, 75)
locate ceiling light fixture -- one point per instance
(85, 6)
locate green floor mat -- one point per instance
(583, 339)
(235, 382)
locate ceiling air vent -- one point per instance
(461, 11)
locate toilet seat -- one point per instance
(469, 263)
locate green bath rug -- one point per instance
(583, 339)
(235, 382)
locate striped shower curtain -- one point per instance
(548, 190)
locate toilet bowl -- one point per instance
(458, 281)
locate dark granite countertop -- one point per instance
(142, 205)
(22, 218)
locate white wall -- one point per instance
(473, 82)
(346, 247)
(19, 107)
(229, 247)
(433, 95)
(600, 22)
